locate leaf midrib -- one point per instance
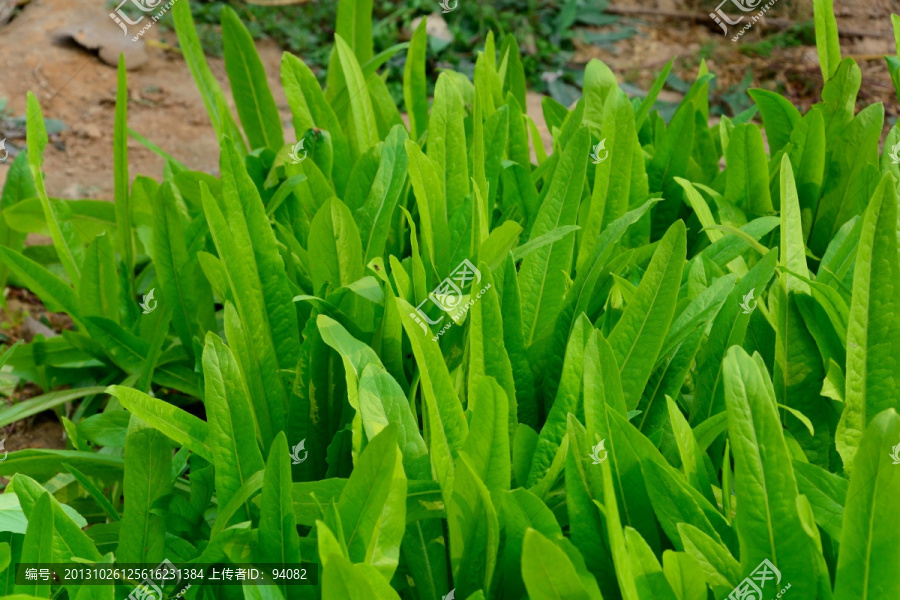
(543, 272)
(245, 67)
(762, 480)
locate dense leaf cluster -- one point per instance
(441, 356)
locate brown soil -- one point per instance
(40, 431)
(24, 319)
(683, 29)
(76, 87)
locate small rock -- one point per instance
(103, 35)
(436, 28)
(90, 131)
(32, 327)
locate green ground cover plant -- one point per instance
(439, 359)
(546, 31)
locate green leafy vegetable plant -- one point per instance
(434, 358)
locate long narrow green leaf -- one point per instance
(64, 237)
(779, 117)
(566, 401)
(335, 244)
(382, 403)
(181, 287)
(719, 568)
(45, 463)
(232, 424)
(95, 492)
(248, 490)
(548, 572)
(414, 84)
(354, 25)
(360, 126)
(124, 217)
(728, 329)
(793, 250)
(639, 335)
(612, 174)
(867, 565)
(38, 544)
(767, 522)
(650, 99)
(827, 41)
(69, 541)
(278, 541)
(424, 175)
(180, 426)
(148, 469)
(375, 215)
(873, 335)
(310, 109)
(826, 492)
(582, 486)
(616, 536)
(372, 505)
(17, 187)
(447, 143)
(851, 177)
(747, 184)
(447, 426)
(486, 356)
(343, 580)
(488, 442)
(210, 91)
(691, 455)
(648, 573)
(543, 273)
(474, 531)
(99, 289)
(32, 406)
(260, 286)
(247, 75)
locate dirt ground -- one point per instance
(683, 28)
(76, 87)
